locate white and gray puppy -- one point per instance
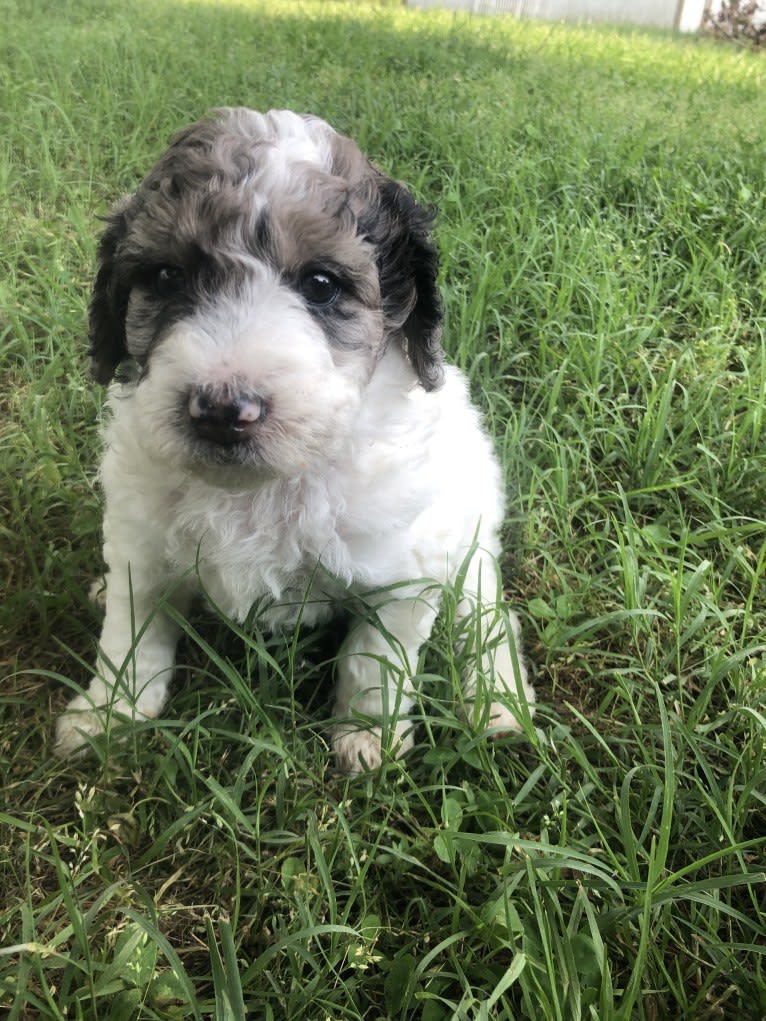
(289, 434)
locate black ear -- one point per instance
(106, 313)
(408, 264)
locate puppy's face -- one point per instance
(255, 279)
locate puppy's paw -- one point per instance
(495, 720)
(73, 728)
(357, 749)
(82, 720)
(501, 722)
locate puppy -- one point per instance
(287, 434)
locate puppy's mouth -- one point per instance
(232, 466)
(217, 452)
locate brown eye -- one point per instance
(168, 280)
(319, 287)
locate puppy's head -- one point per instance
(255, 278)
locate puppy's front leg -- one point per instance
(375, 670)
(495, 643)
(136, 651)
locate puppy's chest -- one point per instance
(274, 547)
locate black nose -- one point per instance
(223, 414)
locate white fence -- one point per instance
(685, 15)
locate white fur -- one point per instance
(402, 501)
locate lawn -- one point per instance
(602, 212)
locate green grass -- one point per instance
(602, 203)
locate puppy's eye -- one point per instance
(319, 287)
(168, 280)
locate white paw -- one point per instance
(495, 720)
(501, 722)
(75, 726)
(82, 720)
(356, 749)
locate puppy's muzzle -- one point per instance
(224, 415)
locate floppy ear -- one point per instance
(408, 264)
(106, 313)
